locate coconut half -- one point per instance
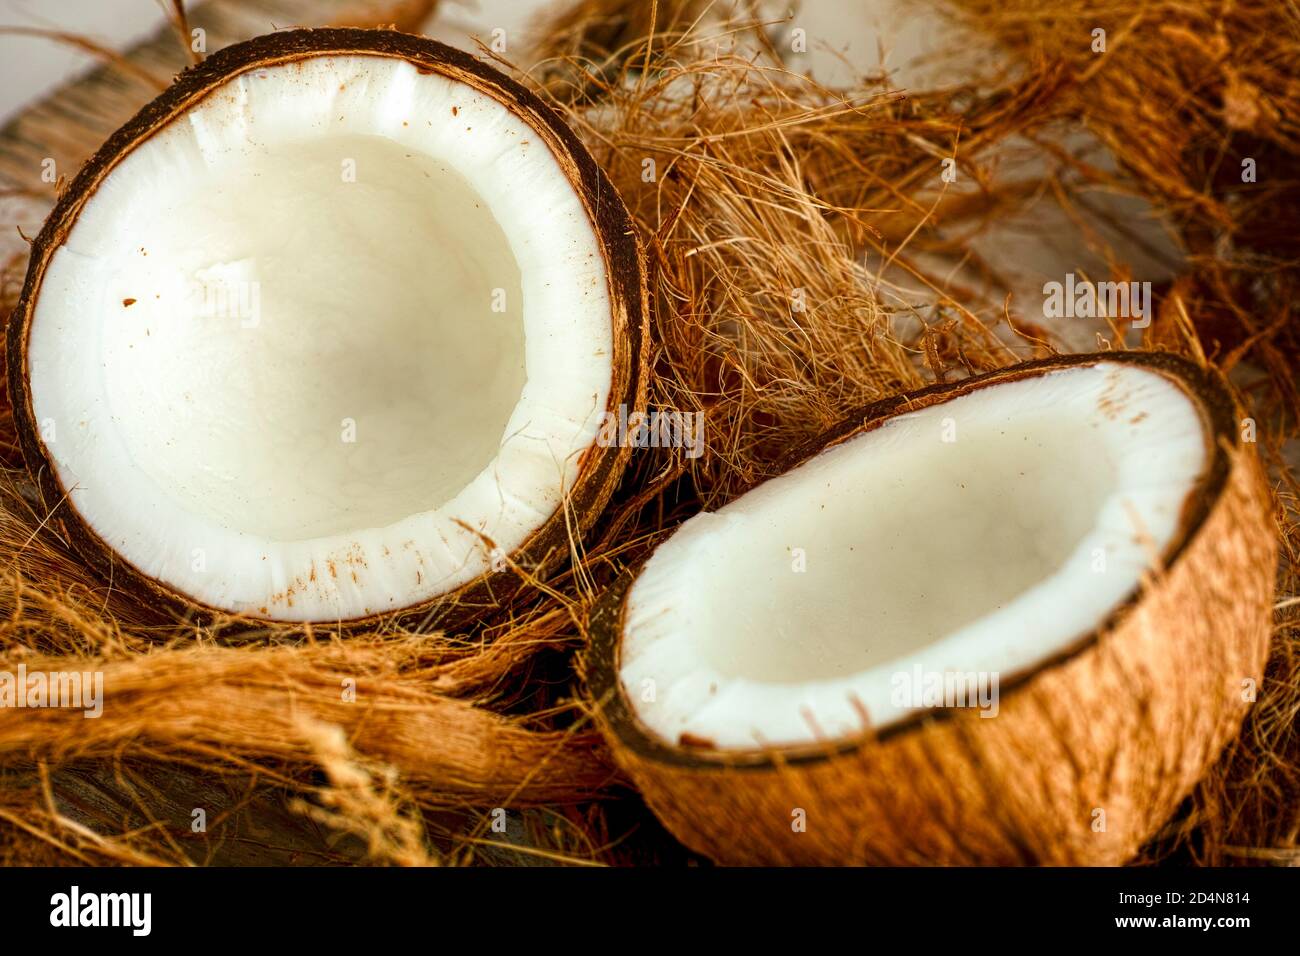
(1009, 620)
(329, 330)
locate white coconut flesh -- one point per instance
(309, 334)
(980, 536)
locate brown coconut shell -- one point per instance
(599, 469)
(1091, 751)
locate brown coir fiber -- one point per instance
(764, 183)
(1200, 104)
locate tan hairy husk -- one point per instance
(1084, 761)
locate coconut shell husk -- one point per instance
(1089, 754)
(765, 182)
(600, 469)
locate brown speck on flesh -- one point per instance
(454, 111)
(690, 740)
(334, 573)
(286, 596)
(1112, 401)
(1110, 407)
(354, 577)
(127, 303)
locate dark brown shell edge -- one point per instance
(939, 788)
(601, 468)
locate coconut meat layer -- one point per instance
(980, 536)
(315, 343)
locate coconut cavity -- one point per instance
(982, 535)
(315, 343)
(345, 371)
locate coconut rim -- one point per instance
(599, 469)
(1205, 388)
